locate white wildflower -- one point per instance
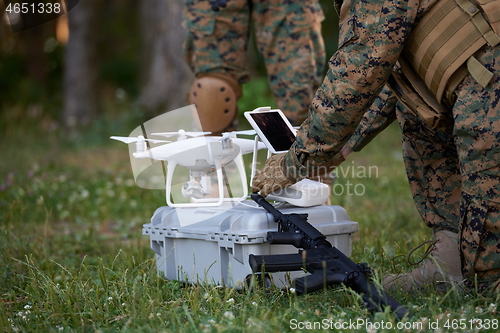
(84, 194)
(231, 300)
(229, 315)
(250, 322)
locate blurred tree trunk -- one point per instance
(80, 67)
(165, 77)
(34, 40)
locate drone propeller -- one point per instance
(181, 133)
(247, 132)
(128, 139)
(233, 134)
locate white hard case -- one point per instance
(212, 245)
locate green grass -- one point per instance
(72, 257)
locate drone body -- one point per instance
(201, 155)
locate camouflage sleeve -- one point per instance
(371, 38)
(380, 115)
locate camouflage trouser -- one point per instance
(477, 136)
(288, 36)
(431, 162)
(455, 175)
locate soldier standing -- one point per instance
(288, 36)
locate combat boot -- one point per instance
(442, 266)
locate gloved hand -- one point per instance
(283, 170)
(272, 177)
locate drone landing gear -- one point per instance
(197, 190)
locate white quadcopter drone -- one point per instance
(201, 155)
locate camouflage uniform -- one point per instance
(430, 158)
(455, 174)
(288, 35)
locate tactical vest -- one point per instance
(439, 53)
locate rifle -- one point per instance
(327, 264)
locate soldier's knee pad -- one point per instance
(215, 96)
